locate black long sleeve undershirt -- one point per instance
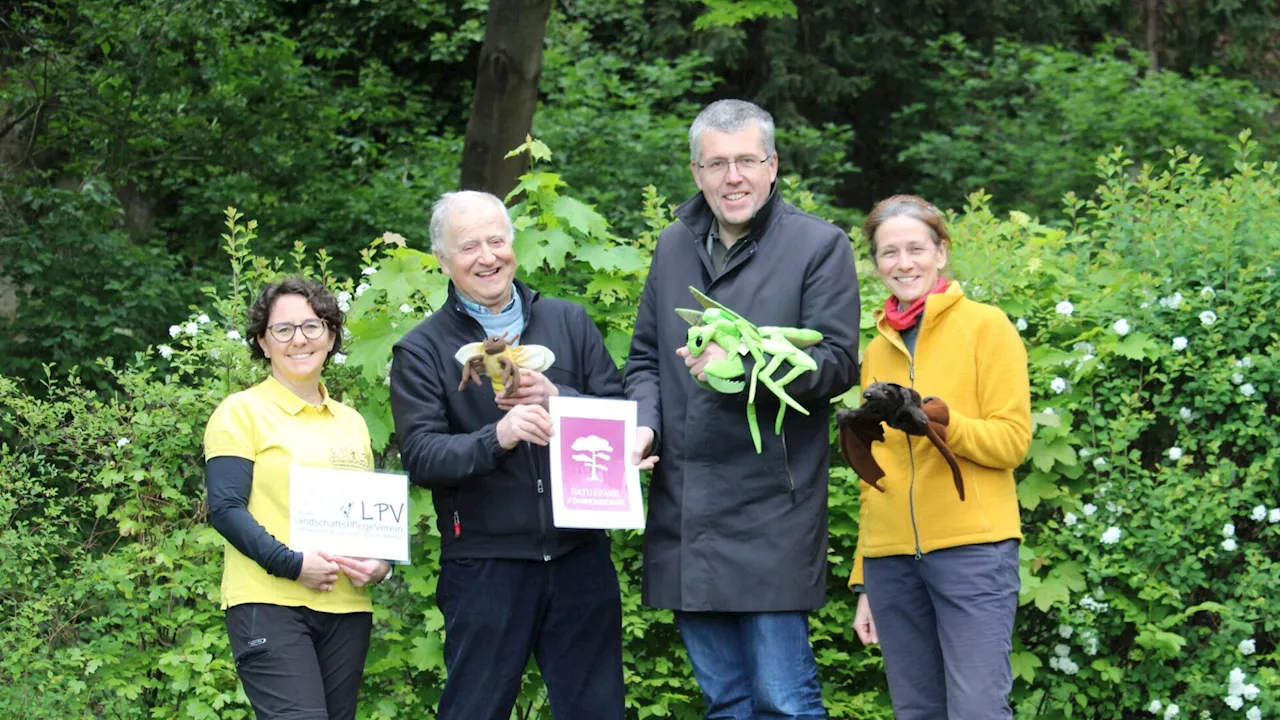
(228, 480)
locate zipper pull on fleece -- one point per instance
(457, 524)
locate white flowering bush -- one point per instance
(1150, 492)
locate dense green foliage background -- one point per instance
(125, 128)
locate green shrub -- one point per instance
(108, 605)
(1026, 122)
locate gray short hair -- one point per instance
(452, 202)
(730, 116)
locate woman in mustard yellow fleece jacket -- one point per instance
(938, 575)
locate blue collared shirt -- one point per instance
(509, 321)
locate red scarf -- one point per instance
(902, 319)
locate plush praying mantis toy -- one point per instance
(771, 348)
(496, 357)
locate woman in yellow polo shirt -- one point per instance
(937, 575)
(299, 622)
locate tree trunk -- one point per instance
(506, 94)
(1153, 33)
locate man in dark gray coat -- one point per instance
(736, 541)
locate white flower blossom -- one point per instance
(1171, 711)
(369, 271)
(1070, 519)
(1259, 513)
(1089, 509)
(203, 319)
(1084, 453)
(1228, 530)
(1246, 362)
(1250, 692)
(1253, 713)
(122, 442)
(1273, 515)
(1111, 536)
(1099, 463)
(1090, 603)
(191, 328)
(233, 335)
(1235, 702)
(406, 309)
(1121, 327)
(1091, 645)
(1058, 385)
(1173, 302)
(1065, 631)
(1229, 544)
(1175, 453)
(1021, 325)
(1061, 650)
(1247, 647)
(1184, 413)
(165, 351)
(344, 301)
(1247, 390)
(1155, 707)
(1064, 665)
(1237, 378)
(1207, 292)
(1065, 308)
(1113, 508)
(1235, 681)
(339, 359)
(1180, 343)
(175, 331)
(361, 288)
(1208, 317)
(215, 353)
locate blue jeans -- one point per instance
(753, 665)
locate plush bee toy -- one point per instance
(497, 358)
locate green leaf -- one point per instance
(557, 244)
(427, 653)
(371, 343)
(1045, 453)
(1162, 642)
(581, 217)
(1036, 487)
(1136, 346)
(612, 258)
(1046, 419)
(1024, 665)
(529, 249)
(727, 13)
(1072, 575)
(535, 184)
(380, 425)
(1050, 590)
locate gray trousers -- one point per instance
(946, 629)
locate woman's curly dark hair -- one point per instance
(321, 300)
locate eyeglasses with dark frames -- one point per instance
(311, 329)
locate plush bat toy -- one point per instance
(501, 361)
(901, 409)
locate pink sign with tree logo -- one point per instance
(593, 483)
(592, 463)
